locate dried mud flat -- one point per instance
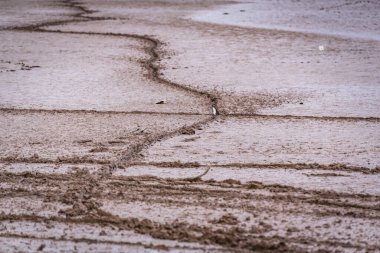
(108, 141)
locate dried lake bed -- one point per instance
(109, 141)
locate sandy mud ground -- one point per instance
(109, 142)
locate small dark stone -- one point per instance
(188, 131)
(41, 248)
(160, 102)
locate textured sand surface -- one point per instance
(275, 140)
(189, 126)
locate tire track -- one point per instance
(182, 193)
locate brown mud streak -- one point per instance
(95, 241)
(175, 165)
(59, 160)
(295, 117)
(223, 115)
(54, 111)
(191, 185)
(295, 166)
(85, 240)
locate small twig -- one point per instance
(197, 178)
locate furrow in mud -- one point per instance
(190, 186)
(325, 118)
(63, 160)
(93, 241)
(296, 166)
(24, 110)
(86, 240)
(224, 115)
(179, 165)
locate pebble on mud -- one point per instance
(41, 247)
(227, 219)
(188, 131)
(98, 149)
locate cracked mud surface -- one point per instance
(108, 141)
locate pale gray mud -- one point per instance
(108, 141)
